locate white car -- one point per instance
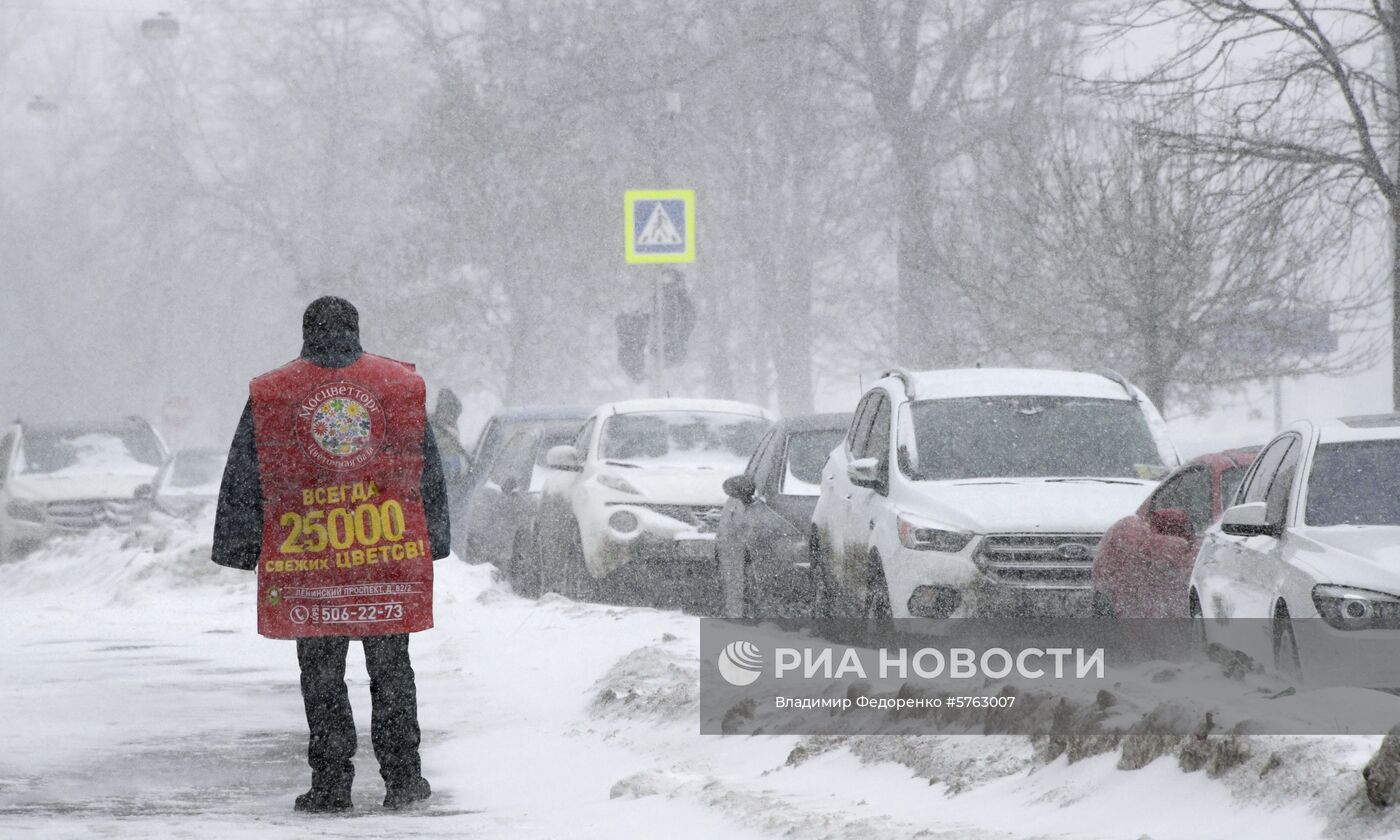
(60, 478)
(1314, 534)
(980, 492)
(633, 510)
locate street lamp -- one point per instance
(162, 27)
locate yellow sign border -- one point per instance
(629, 199)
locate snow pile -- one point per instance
(656, 681)
(128, 567)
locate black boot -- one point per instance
(324, 800)
(403, 795)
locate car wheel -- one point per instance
(547, 563)
(524, 579)
(578, 583)
(878, 617)
(746, 588)
(1199, 641)
(731, 588)
(1286, 659)
(821, 587)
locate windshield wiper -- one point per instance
(626, 464)
(1096, 478)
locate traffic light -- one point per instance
(677, 318)
(632, 331)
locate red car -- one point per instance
(1144, 561)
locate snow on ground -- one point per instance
(138, 701)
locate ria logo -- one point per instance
(740, 663)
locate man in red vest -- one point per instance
(334, 493)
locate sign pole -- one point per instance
(658, 335)
(659, 228)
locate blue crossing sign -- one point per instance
(660, 226)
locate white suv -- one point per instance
(632, 512)
(980, 491)
(1314, 533)
(59, 478)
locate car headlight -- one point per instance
(1348, 608)
(921, 537)
(28, 511)
(618, 483)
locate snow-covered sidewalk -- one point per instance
(138, 701)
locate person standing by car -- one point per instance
(456, 463)
(334, 493)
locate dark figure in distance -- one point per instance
(456, 462)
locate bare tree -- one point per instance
(1307, 85)
(923, 67)
(1186, 275)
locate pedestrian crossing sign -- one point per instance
(660, 226)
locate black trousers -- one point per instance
(393, 719)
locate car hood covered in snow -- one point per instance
(60, 487)
(1351, 555)
(1029, 505)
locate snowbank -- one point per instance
(139, 702)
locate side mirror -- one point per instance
(864, 472)
(563, 457)
(1248, 520)
(740, 487)
(1171, 522)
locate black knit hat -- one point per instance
(330, 332)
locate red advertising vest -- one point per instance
(345, 539)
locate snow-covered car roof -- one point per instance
(991, 382)
(517, 414)
(1363, 427)
(682, 404)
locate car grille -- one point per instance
(1039, 561)
(703, 517)
(83, 514)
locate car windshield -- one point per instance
(203, 469)
(85, 451)
(1026, 436)
(1230, 482)
(680, 437)
(1356, 483)
(806, 455)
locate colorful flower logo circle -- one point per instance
(341, 427)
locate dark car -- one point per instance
(764, 565)
(188, 482)
(1144, 561)
(501, 524)
(503, 425)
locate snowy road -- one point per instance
(138, 702)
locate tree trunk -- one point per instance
(921, 338)
(792, 353)
(1395, 302)
(1392, 34)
